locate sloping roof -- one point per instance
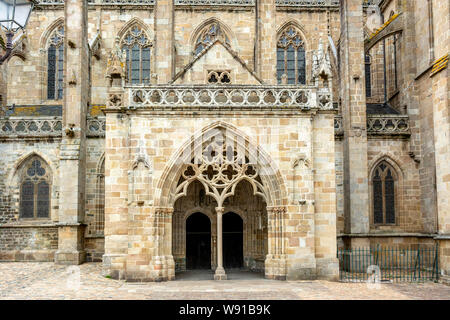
(380, 108)
(205, 50)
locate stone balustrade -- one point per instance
(283, 3)
(31, 127)
(379, 125)
(215, 2)
(388, 125)
(52, 127)
(96, 127)
(237, 96)
(45, 127)
(101, 2)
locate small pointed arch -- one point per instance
(18, 164)
(47, 34)
(52, 45)
(135, 22)
(135, 39)
(299, 28)
(35, 182)
(385, 192)
(101, 164)
(207, 32)
(291, 54)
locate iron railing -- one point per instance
(384, 264)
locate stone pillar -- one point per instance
(353, 100)
(72, 154)
(164, 40)
(275, 263)
(169, 261)
(157, 263)
(267, 42)
(220, 271)
(327, 265)
(441, 119)
(116, 175)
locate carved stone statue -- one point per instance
(116, 70)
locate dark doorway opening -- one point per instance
(233, 241)
(198, 242)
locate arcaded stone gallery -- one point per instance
(159, 136)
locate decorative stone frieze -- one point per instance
(229, 96)
(388, 125)
(41, 127)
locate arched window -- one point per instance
(368, 65)
(35, 190)
(55, 64)
(137, 48)
(291, 59)
(208, 35)
(99, 224)
(383, 183)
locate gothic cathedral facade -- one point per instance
(156, 136)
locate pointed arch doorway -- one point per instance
(198, 242)
(231, 173)
(233, 241)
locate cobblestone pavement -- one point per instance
(50, 281)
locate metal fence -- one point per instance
(384, 264)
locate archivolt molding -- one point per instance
(13, 174)
(220, 168)
(203, 25)
(298, 27)
(45, 37)
(130, 24)
(390, 159)
(220, 164)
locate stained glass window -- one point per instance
(55, 64)
(137, 49)
(291, 58)
(35, 190)
(383, 183)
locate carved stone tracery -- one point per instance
(220, 168)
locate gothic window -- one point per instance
(383, 183)
(208, 35)
(137, 48)
(368, 76)
(55, 64)
(35, 190)
(99, 222)
(291, 59)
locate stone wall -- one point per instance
(28, 243)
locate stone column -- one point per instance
(441, 119)
(157, 263)
(72, 154)
(275, 263)
(267, 42)
(353, 97)
(164, 40)
(220, 271)
(117, 153)
(169, 261)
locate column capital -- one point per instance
(220, 210)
